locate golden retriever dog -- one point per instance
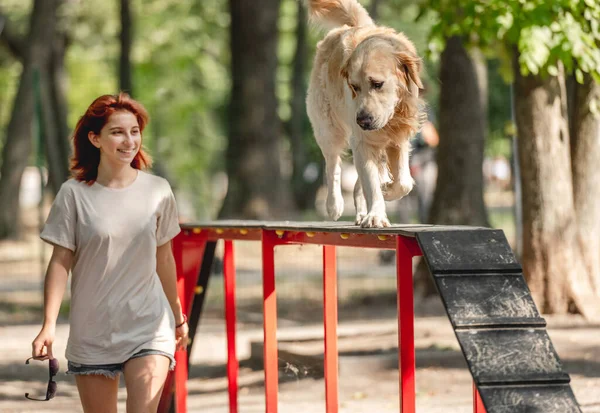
(363, 93)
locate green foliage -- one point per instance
(181, 57)
(544, 32)
(499, 117)
(180, 71)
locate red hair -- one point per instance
(86, 157)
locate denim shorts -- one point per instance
(113, 370)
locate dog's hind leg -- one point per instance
(360, 203)
(402, 183)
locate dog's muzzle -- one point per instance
(365, 121)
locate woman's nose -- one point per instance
(128, 137)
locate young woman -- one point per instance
(111, 225)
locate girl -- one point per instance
(111, 225)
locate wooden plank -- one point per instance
(467, 251)
(482, 300)
(511, 356)
(529, 399)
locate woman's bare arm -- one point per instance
(54, 290)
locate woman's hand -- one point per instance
(182, 336)
(42, 344)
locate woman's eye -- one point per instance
(377, 85)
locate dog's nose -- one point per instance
(364, 120)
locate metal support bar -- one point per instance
(230, 321)
(330, 321)
(269, 240)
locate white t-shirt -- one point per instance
(118, 305)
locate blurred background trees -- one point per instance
(225, 82)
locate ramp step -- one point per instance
(467, 251)
(503, 356)
(496, 322)
(529, 399)
(473, 300)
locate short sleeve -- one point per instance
(62, 219)
(168, 220)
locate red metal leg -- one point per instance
(230, 321)
(188, 251)
(406, 334)
(270, 322)
(330, 322)
(478, 406)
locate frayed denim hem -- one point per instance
(112, 371)
(149, 352)
(98, 372)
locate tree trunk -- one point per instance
(17, 147)
(551, 260)
(374, 9)
(256, 187)
(585, 153)
(304, 191)
(126, 39)
(458, 197)
(54, 113)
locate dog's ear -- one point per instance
(409, 67)
(344, 73)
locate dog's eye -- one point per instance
(377, 85)
(355, 88)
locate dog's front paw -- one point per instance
(395, 190)
(375, 220)
(360, 216)
(335, 207)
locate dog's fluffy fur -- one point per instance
(363, 93)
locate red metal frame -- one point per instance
(330, 321)
(271, 360)
(230, 321)
(478, 406)
(188, 249)
(406, 249)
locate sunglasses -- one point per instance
(51, 390)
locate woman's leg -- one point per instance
(98, 393)
(145, 377)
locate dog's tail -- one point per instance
(336, 13)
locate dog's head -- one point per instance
(382, 72)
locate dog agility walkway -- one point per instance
(502, 336)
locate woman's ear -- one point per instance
(94, 139)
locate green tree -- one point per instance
(126, 40)
(257, 188)
(542, 41)
(36, 55)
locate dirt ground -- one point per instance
(368, 371)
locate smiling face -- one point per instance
(379, 77)
(119, 140)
